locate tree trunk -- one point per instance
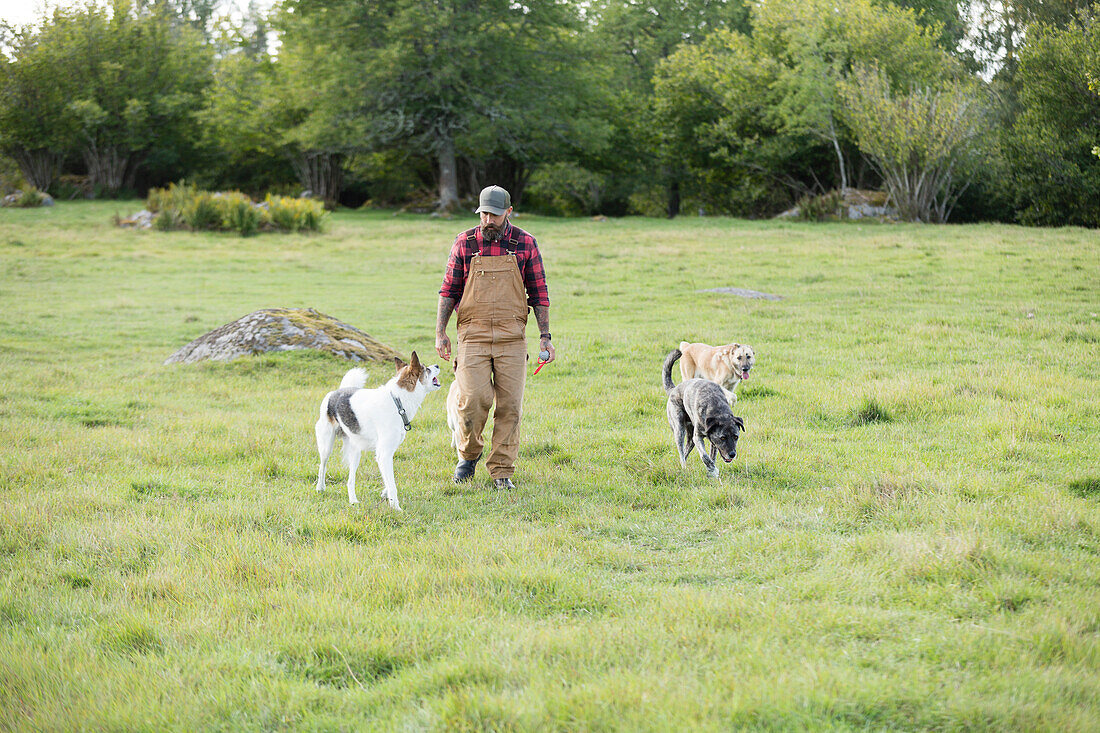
(107, 167)
(321, 174)
(448, 176)
(673, 198)
(38, 166)
(839, 154)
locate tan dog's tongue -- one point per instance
(744, 375)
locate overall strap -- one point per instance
(513, 240)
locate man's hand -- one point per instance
(545, 345)
(443, 346)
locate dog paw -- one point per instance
(712, 474)
(353, 500)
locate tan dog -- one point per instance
(452, 413)
(727, 365)
(452, 409)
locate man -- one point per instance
(489, 270)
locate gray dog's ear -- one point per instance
(739, 423)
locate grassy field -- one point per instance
(908, 539)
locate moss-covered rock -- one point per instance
(283, 329)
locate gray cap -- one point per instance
(495, 200)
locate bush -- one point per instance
(28, 198)
(167, 220)
(173, 198)
(294, 215)
(184, 206)
(566, 189)
(239, 214)
(11, 179)
(821, 208)
(1054, 174)
(202, 212)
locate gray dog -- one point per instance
(697, 409)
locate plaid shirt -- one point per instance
(512, 239)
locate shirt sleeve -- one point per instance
(534, 278)
(454, 277)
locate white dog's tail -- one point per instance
(355, 378)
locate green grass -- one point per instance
(908, 539)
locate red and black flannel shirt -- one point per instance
(512, 239)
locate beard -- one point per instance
(492, 232)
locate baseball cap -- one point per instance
(495, 200)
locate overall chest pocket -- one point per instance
(493, 284)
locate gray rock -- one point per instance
(862, 211)
(283, 329)
(141, 220)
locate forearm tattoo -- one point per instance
(446, 307)
(542, 317)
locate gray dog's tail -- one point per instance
(672, 358)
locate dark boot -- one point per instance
(464, 471)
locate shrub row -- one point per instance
(186, 207)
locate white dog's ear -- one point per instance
(399, 363)
(415, 363)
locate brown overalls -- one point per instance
(491, 360)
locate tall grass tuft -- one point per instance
(870, 411)
(1086, 486)
(131, 636)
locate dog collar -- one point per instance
(401, 412)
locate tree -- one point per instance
(1055, 177)
(492, 85)
(764, 106)
(309, 104)
(946, 20)
(243, 119)
(1000, 28)
(817, 43)
(129, 81)
(918, 141)
(35, 124)
(629, 41)
(714, 111)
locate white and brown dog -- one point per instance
(373, 420)
(727, 365)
